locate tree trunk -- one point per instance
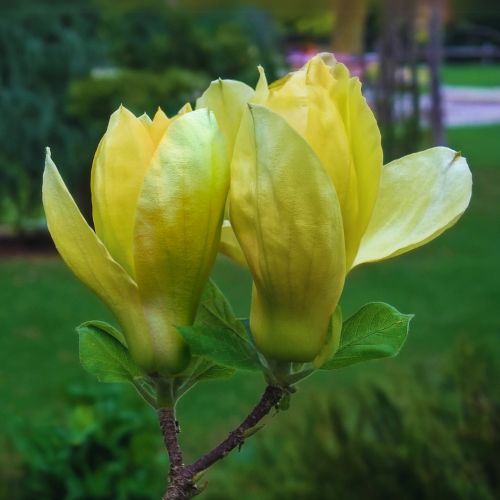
(434, 58)
(348, 35)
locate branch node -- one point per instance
(182, 484)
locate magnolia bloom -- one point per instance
(158, 193)
(310, 197)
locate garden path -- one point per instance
(470, 105)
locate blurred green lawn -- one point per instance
(480, 145)
(480, 75)
(452, 285)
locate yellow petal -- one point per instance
(146, 121)
(421, 195)
(227, 99)
(179, 217)
(91, 263)
(161, 122)
(159, 126)
(325, 130)
(288, 97)
(185, 109)
(118, 171)
(229, 245)
(333, 341)
(305, 98)
(366, 155)
(261, 89)
(286, 216)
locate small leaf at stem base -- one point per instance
(218, 337)
(377, 330)
(102, 354)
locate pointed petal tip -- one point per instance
(259, 108)
(187, 108)
(145, 119)
(262, 76)
(213, 83)
(116, 115)
(457, 156)
(328, 58)
(123, 111)
(49, 163)
(159, 114)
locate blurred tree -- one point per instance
(148, 35)
(159, 55)
(350, 19)
(434, 58)
(43, 46)
(484, 13)
(65, 66)
(152, 35)
(397, 91)
(92, 99)
(283, 10)
(343, 21)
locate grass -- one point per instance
(475, 75)
(480, 145)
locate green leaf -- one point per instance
(104, 356)
(219, 337)
(212, 371)
(106, 327)
(215, 310)
(221, 345)
(377, 330)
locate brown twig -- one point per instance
(169, 429)
(236, 438)
(182, 485)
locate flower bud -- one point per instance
(158, 193)
(281, 225)
(286, 217)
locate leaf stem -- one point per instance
(146, 395)
(165, 393)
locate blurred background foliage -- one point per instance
(65, 66)
(424, 425)
(436, 436)
(433, 436)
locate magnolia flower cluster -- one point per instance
(287, 179)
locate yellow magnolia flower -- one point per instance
(158, 193)
(310, 199)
